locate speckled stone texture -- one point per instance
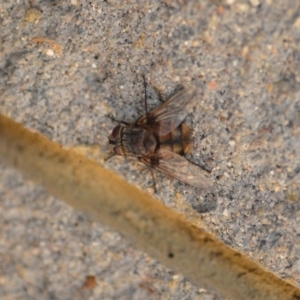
(66, 66)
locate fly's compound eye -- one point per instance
(115, 133)
(117, 150)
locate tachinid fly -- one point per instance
(160, 138)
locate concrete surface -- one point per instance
(65, 66)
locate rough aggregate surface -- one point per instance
(66, 66)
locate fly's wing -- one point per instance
(178, 167)
(171, 113)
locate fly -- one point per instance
(159, 139)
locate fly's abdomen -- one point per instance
(177, 141)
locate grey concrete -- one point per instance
(66, 66)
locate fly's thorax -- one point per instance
(177, 141)
(138, 141)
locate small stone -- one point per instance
(243, 7)
(33, 15)
(232, 143)
(255, 2)
(226, 213)
(50, 52)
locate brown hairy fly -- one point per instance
(159, 139)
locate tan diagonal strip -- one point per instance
(152, 227)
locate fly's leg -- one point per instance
(154, 181)
(158, 92)
(118, 121)
(109, 156)
(150, 168)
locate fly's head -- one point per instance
(115, 139)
